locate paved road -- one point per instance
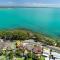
(53, 48)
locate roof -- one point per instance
(29, 47)
(37, 49)
(29, 41)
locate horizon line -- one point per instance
(29, 7)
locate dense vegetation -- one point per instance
(21, 34)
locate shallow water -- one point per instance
(45, 20)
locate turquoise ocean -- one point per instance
(46, 20)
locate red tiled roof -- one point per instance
(37, 50)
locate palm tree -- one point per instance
(50, 54)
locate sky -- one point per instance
(39, 1)
(30, 2)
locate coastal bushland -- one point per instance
(21, 34)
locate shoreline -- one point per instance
(12, 34)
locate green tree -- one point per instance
(58, 44)
(11, 55)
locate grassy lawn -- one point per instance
(42, 58)
(20, 59)
(2, 58)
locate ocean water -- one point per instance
(46, 20)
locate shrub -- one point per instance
(11, 55)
